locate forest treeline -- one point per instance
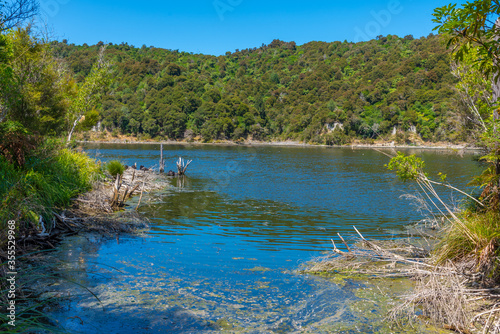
(318, 92)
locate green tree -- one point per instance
(475, 91)
(34, 88)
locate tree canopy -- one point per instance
(317, 92)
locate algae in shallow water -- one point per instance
(258, 268)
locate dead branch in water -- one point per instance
(181, 167)
(140, 198)
(381, 258)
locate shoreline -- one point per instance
(287, 144)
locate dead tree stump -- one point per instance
(162, 161)
(181, 167)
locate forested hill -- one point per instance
(280, 91)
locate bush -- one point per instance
(16, 142)
(115, 167)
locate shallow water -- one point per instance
(224, 243)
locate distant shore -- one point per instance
(441, 145)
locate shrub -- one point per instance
(16, 142)
(115, 167)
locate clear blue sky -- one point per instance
(217, 26)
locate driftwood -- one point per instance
(140, 198)
(109, 197)
(116, 191)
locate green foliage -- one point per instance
(408, 167)
(82, 111)
(473, 34)
(475, 91)
(34, 89)
(279, 91)
(337, 137)
(39, 93)
(115, 167)
(471, 25)
(15, 142)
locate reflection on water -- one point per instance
(226, 239)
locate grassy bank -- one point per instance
(47, 181)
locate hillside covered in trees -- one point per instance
(317, 92)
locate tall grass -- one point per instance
(479, 244)
(50, 178)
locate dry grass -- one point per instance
(440, 297)
(449, 294)
(376, 259)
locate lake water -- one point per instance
(225, 243)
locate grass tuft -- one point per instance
(482, 250)
(115, 167)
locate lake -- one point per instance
(226, 242)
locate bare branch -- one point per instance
(15, 12)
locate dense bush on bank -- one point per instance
(319, 92)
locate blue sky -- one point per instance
(217, 26)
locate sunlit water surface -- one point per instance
(225, 243)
